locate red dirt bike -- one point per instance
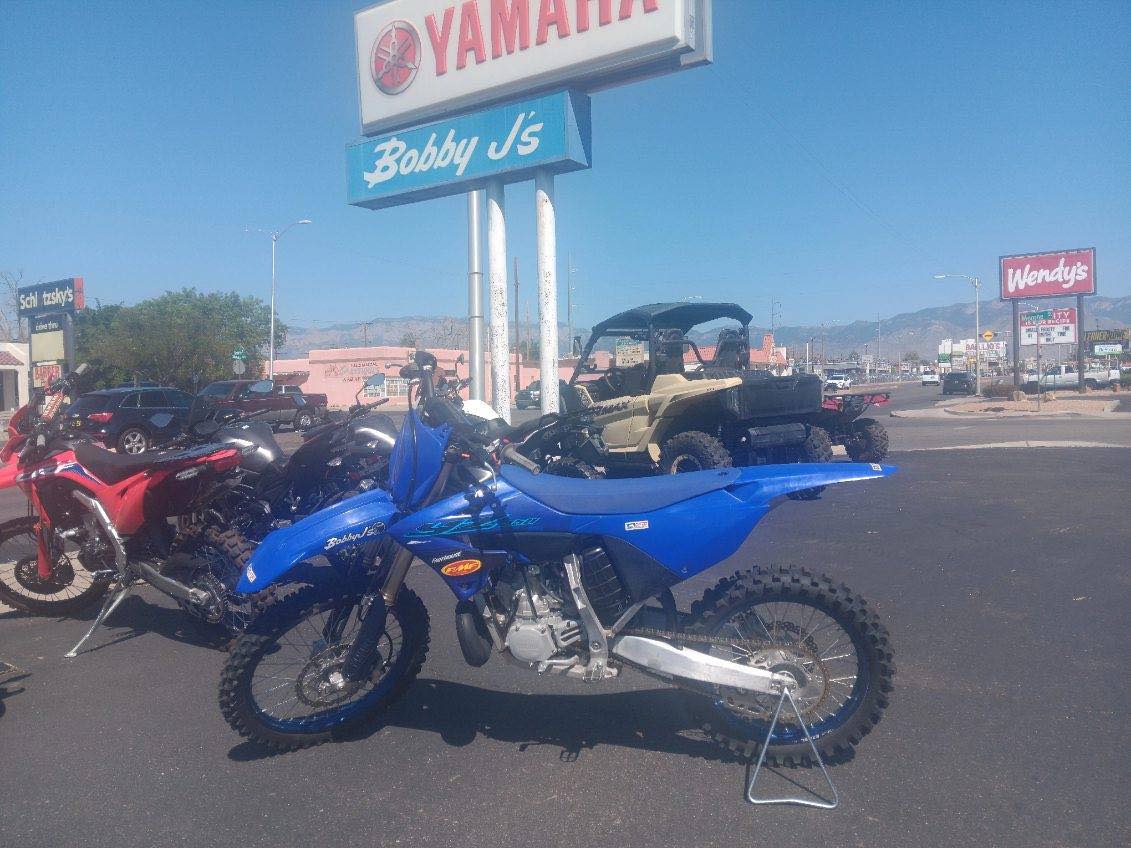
(98, 519)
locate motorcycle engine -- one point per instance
(541, 627)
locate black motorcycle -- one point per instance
(342, 457)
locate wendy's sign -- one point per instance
(1053, 274)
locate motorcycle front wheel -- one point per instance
(283, 685)
(69, 588)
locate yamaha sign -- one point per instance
(422, 59)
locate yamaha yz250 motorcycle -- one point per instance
(560, 575)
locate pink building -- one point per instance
(340, 372)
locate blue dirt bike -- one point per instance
(560, 575)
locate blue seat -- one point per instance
(612, 497)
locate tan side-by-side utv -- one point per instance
(656, 412)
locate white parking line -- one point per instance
(1025, 444)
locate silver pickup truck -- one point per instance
(1067, 377)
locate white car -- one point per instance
(931, 378)
(838, 380)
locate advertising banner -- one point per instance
(421, 59)
(1056, 326)
(1054, 274)
(1109, 349)
(457, 155)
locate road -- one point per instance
(1002, 577)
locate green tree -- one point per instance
(408, 340)
(183, 338)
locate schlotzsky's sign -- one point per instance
(448, 157)
(420, 59)
(51, 298)
(1054, 274)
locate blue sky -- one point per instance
(834, 158)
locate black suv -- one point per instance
(959, 383)
(130, 419)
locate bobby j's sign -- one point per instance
(450, 157)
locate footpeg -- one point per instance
(820, 802)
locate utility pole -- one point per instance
(517, 337)
(877, 340)
(569, 303)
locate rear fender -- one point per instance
(766, 483)
(359, 519)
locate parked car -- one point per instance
(959, 383)
(931, 378)
(838, 380)
(131, 420)
(530, 396)
(280, 407)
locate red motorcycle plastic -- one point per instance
(98, 519)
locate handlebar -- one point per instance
(509, 453)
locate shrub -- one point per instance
(998, 390)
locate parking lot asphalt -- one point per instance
(1002, 575)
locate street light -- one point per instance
(275, 236)
(977, 324)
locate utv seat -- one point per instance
(729, 353)
(616, 497)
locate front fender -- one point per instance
(350, 522)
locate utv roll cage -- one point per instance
(657, 324)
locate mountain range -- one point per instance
(906, 332)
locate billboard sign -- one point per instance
(1054, 274)
(1056, 326)
(1107, 342)
(51, 298)
(459, 154)
(422, 59)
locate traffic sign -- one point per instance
(989, 335)
(238, 366)
(239, 354)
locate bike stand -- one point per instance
(107, 608)
(804, 802)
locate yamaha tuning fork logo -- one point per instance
(395, 57)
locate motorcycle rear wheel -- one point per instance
(71, 587)
(812, 628)
(289, 662)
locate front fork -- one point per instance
(44, 562)
(359, 659)
(362, 653)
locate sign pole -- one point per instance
(1016, 346)
(1080, 342)
(547, 235)
(475, 294)
(497, 280)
